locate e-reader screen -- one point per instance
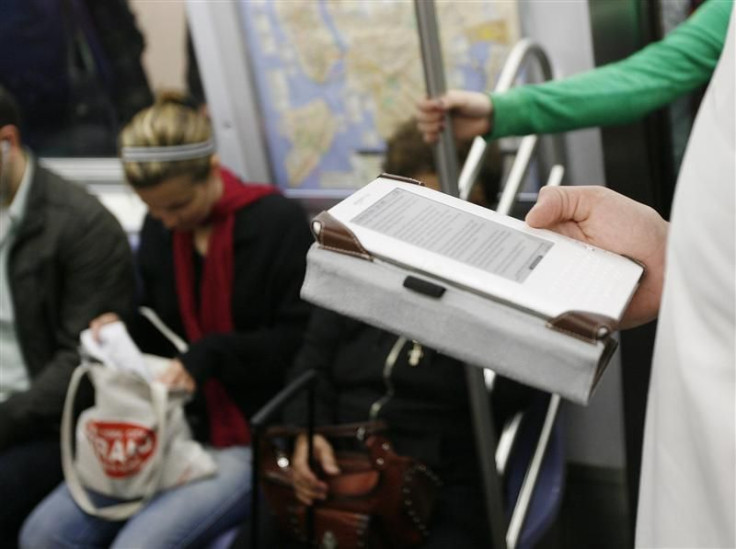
(459, 235)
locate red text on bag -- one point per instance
(122, 448)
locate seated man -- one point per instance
(64, 259)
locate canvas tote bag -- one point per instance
(134, 441)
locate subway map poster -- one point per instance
(334, 78)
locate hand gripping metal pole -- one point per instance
(447, 171)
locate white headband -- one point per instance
(168, 154)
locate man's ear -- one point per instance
(9, 137)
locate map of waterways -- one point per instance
(336, 77)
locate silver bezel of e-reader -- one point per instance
(491, 254)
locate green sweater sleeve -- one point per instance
(623, 91)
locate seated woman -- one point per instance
(221, 263)
(421, 395)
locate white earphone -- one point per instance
(4, 152)
(4, 149)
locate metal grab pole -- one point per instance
(485, 441)
(434, 79)
(446, 158)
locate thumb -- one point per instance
(454, 99)
(555, 205)
(327, 460)
(467, 103)
(448, 100)
(96, 324)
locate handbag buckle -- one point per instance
(329, 541)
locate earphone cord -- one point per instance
(4, 195)
(4, 185)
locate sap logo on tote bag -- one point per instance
(122, 448)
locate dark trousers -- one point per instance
(28, 473)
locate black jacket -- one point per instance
(428, 414)
(70, 262)
(271, 238)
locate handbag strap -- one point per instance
(168, 333)
(119, 511)
(358, 430)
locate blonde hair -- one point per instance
(170, 121)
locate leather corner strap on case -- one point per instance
(589, 327)
(333, 235)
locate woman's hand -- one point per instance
(608, 220)
(470, 113)
(97, 324)
(176, 377)
(306, 484)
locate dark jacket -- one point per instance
(271, 238)
(75, 68)
(70, 262)
(428, 412)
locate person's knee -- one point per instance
(38, 528)
(58, 522)
(33, 534)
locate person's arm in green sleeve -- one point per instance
(620, 92)
(612, 94)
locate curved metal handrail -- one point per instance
(523, 51)
(520, 54)
(523, 501)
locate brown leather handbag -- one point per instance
(379, 499)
